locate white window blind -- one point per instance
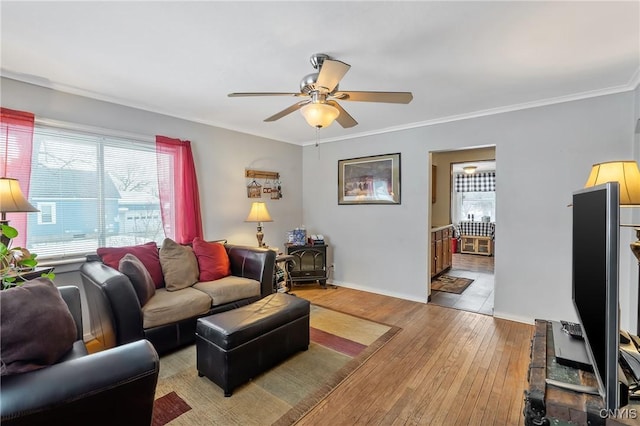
(95, 190)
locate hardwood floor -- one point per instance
(478, 297)
(445, 367)
(473, 262)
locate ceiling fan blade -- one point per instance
(331, 73)
(388, 97)
(237, 95)
(287, 111)
(344, 119)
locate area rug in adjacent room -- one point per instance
(340, 343)
(450, 284)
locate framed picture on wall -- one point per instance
(369, 180)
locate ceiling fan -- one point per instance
(321, 87)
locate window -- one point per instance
(475, 205)
(47, 213)
(473, 196)
(92, 190)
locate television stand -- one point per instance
(573, 387)
(547, 404)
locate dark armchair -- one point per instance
(116, 386)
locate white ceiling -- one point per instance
(481, 166)
(460, 59)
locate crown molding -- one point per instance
(632, 85)
(39, 81)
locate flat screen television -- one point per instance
(596, 217)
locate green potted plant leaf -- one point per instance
(15, 260)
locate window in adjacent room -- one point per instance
(473, 195)
(478, 204)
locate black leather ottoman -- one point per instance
(237, 345)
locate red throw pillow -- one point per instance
(213, 260)
(147, 254)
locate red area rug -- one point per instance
(167, 408)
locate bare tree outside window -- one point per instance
(104, 190)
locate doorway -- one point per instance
(471, 217)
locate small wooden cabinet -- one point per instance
(475, 244)
(441, 256)
(310, 263)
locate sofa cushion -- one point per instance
(229, 289)
(140, 278)
(213, 260)
(36, 327)
(167, 307)
(179, 265)
(147, 253)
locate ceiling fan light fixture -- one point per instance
(319, 114)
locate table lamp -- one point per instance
(259, 214)
(627, 175)
(11, 201)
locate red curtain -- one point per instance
(16, 145)
(178, 187)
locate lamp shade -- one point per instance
(627, 175)
(11, 198)
(319, 114)
(259, 213)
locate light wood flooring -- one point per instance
(478, 297)
(445, 367)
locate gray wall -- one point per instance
(221, 157)
(543, 154)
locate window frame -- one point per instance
(40, 205)
(101, 139)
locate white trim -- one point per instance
(403, 296)
(634, 82)
(491, 111)
(54, 212)
(94, 130)
(630, 86)
(516, 318)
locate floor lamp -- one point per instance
(627, 175)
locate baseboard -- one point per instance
(511, 317)
(381, 292)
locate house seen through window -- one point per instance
(92, 191)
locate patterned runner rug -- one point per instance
(340, 343)
(450, 284)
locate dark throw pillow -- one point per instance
(213, 260)
(140, 278)
(179, 265)
(147, 253)
(36, 327)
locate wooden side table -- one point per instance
(288, 264)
